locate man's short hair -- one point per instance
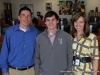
(50, 14)
(24, 8)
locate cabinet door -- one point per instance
(0, 71)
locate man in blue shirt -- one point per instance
(17, 54)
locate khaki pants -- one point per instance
(24, 72)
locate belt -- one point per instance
(84, 59)
(20, 68)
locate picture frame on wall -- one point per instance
(48, 6)
(38, 13)
(29, 6)
(66, 7)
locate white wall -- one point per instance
(39, 5)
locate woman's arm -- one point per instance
(95, 66)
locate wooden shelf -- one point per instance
(94, 14)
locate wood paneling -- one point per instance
(1, 40)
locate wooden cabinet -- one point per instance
(41, 23)
(94, 16)
(0, 71)
(1, 40)
(4, 22)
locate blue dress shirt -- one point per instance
(18, 47)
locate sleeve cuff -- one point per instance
(5, 70)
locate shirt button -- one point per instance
(24, 45)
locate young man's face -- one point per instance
(51, 23)
(25, 18)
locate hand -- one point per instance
(6, 74)
(65, 73)
(40, 74)
(94, 73)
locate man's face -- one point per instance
(25, 18)
(51, 23)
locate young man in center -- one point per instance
(53, 52)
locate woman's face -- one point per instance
(79, 24)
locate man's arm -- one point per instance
(37, 59)
(4, 55)
(69, 55)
